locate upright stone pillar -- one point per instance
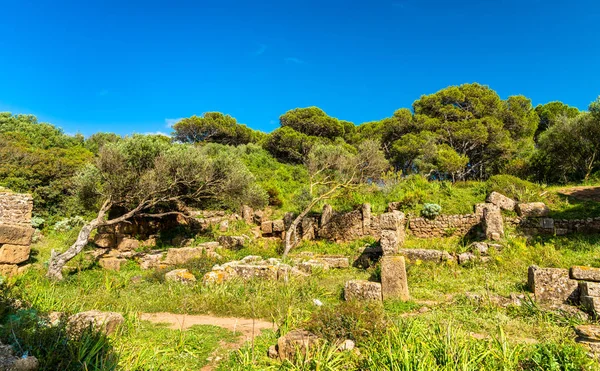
(327, 214)
(392, 232)
(366, 217)
(493, 223)
(394, 284)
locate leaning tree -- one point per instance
(146, 176)
(332, 169)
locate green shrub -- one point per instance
(431, 211)
(516, 188)
(348, 320)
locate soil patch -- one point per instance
(582, 193)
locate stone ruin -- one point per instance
(15, 232)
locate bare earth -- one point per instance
(248, 328)
(583, 193)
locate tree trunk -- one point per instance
(58, 261)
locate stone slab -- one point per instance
(394, 284)
(362, 290)
(552, 285)
(15, 234)
(585, 273)
(14, 254)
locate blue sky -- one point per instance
(132, 66)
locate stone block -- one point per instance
(392, 221)
(326, 215)
(585, 273)
(296, 343)
(149, 261)
(552, 285)
(183, 255)
(105, 240)
(435, 256)
(308, 226)
(366, 215)
(247, 214)
(547, 223)
(394, 284)
(334, 261)
(362, 290)
(390, 242)
(278, 226)
(532, 209)
(501, 201)
(591, 332)
(493, 224)
(128, 244)
(112, 264)
(106, 322)
(14, 254)
(232, 242)
(15, 234)
(591, 304)
(266, 227)
(589, 289)
(8, 270)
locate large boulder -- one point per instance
(362, 290)
(106, 322)
(532, 210)
(14, 254)
(552, 285)
(296, 343)
(501, 201)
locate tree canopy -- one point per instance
(214, 127)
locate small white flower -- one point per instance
(317, 302)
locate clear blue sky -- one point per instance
(130, 66)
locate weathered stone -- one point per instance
(183, 255)
(396, 205)
(362, 290)
(150, 261)
(591, 332)
(585, 273)
(232, 242)
(213, 277)
(479, 247)
(552, 285)
(589, 289)
(10, 362)
(501, 201)
(394, 284)
(180, 275)
(247, 214)
(105, 240)
(390, 242)
(310, 266)
(591, 304)
(15, 234)
(224, 225)
(15, 208)
(326, 215)
(296, 343)
(366, 216)
(343, 226)
(278, 225)
(113, 264)
(272, 352)
(127, 244)
(492, 223)
(106, 322)
(149, 242)
(13, 254)
(334, 261)
(436, 256)
(466, 257)
(346, 345)
(532, 209)
(8, 270)
(308, 226)
(258, 217)
(392, 221)
(267, 227)
(592, 346)
(547, 223)
(445, 225)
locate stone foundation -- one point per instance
(15, 231)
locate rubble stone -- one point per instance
(436, 256)
(362, 290)
(532, 209)
(106, 322)
(296, 342)
(113, 264)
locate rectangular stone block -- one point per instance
(390, 242)
(14, 254)
(589, 289)
(392, 221)
(362, 290)
(585, 273)
(105, 240)
(552, 285)
(278, 225)
(394, 284)
(15, 234)
(266, 227)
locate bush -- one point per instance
(68, 224)
(431, 211)
(348, 320)
(515, 188)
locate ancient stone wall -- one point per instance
(444, 225)
(559, 227)
(15, 231)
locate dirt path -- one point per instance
(248, 328)
(587, 193)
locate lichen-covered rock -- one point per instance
(14, 254)
(106, 322)
(552, 285)
(180, 275)
(152, 260)
(296, 343)
(501, 201)
(532, 209)
(435, 256)
(362, 290)
(585, 273)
